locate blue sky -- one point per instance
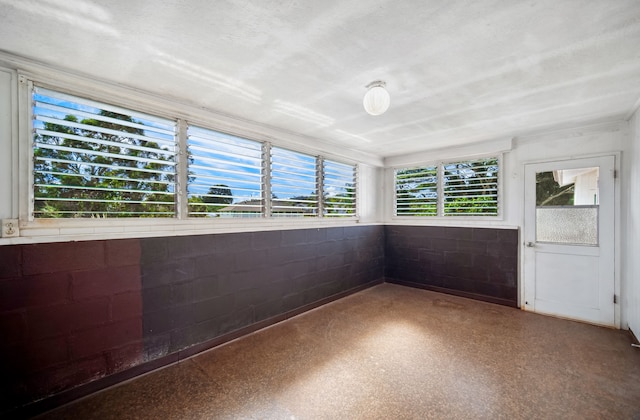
(214, 158)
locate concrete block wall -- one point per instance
(97, 312)
(77, 313)
(197, 288)
(69, 313)
(479, 263)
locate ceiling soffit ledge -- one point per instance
(633, 110)
(456, 152)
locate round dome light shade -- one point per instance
(376, 100)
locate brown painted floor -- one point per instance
(395, 353)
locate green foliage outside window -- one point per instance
(94, 160)
(550, 193)
(471, 187)
(466, 188)
(100, 168)
(416, 191)
(342, 203)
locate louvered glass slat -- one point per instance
(485, 192)
(478, 179)
(103, 177)
(470, 188)
(289, 158)
(293, 184)
(237, 146)
(413, 177)
(118, 158)
(416, 191)
(418, 209)
(239, 190)
(198, 134)
(94, 143)
(284, 173)
(338, 189)
(64, 111)
(105, 190)
(97, 160)
(91, 130)
(237, 171)
(285, 188)
(470, 169)
(225, 175)
(75, 102)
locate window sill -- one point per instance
(452, 221)
(52, 230)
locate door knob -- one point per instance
(530, 244)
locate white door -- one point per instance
(569, 262)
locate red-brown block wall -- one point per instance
(69, 313)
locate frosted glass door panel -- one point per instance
(567, 224)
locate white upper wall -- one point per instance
(7, 100)
(583, 141)
(631, 223)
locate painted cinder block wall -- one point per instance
(478, 263)
(75, 312)
(201, 287)
(69, 313)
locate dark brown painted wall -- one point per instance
(75, 312)
(69, 313)
(201, 287)
(473, 262)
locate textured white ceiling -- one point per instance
(458, 71)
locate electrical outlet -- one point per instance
(10, 228)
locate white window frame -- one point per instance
(441, 217)
(34, 230)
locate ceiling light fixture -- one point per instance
(376, 101)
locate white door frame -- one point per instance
(617, 227)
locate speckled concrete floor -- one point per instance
(392, 352)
